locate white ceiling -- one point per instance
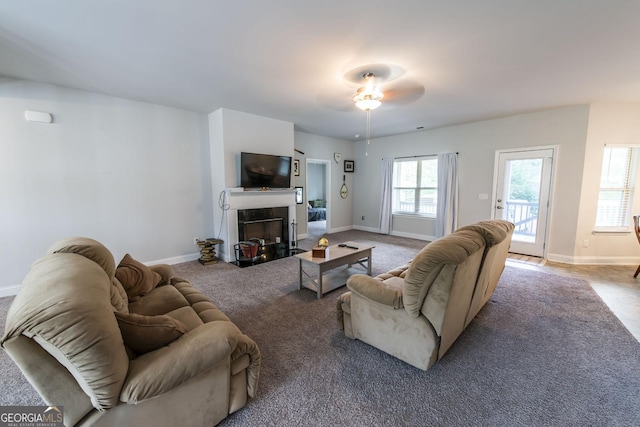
(286, 59)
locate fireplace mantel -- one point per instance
(255, 199)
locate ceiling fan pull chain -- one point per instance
(366, 153)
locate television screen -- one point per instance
(265, 170)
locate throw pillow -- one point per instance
(136, 278)
(147, 333)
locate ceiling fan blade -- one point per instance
(382, 73)
(403, 92)
(337, 100)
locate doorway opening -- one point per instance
(318, 196)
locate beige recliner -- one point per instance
(84, 346)
(417, 311)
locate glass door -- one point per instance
(522, 191)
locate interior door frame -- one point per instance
(327, 187)
(552, 180)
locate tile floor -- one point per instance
(613, 283)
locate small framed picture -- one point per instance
(299, 195)
(296, 167)
(349, 165)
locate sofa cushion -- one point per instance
(161, 300)
(207, 311)
(186, 315)
(136, 278)
(453, 249)
(147, 333)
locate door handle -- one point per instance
(499, 207)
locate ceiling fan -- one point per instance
(390, 82)
(375, 77)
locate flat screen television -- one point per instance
(265, 170)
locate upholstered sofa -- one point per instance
(416, 312)
(130, 345)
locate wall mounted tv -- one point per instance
(265, 170)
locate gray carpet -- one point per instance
(545, 351)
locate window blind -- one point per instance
(617, 181)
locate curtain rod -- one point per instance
(422, 155)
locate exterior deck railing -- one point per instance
(524, 215)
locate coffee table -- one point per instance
(325, 273)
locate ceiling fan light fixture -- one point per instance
(368, 104)
(368, 98)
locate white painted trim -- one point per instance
(338, 229)
(327, 186)
(552, 185)
(593, 260)
(363, 228)
(8, 291)
(414, 236)
(302, 236)
(397, 233)
(175, 259)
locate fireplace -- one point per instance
(269, 228)
(246, 206)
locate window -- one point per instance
(617, 183)
(415, 186)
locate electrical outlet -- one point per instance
(585, 244)
(195, 240)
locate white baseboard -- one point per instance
(592, 260)
(362, 228)
(7, 291)
(302, 236)
(413, 236)
(338, 229)
(397, 233)
(175, 259)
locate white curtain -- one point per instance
(387, 189)
(447, 213)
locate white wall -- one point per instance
(132, 175)
(231, 133)
(323, 148)
(476, 143)
(608, 124)
(315, 182)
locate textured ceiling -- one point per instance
(451, 62)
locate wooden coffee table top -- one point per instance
(335, 252)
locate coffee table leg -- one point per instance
(319, 282)
(300, 275)
(369, 264)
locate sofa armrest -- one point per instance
(159, 371)
(396, 272)
(246, 346)
(387, 292)
(165, 271)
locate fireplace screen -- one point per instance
(267, 226)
